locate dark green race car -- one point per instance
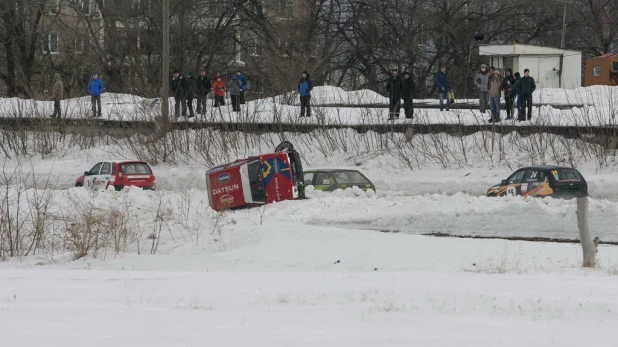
(329, 180)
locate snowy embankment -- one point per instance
(600, 109)
(267, 276)
(141, 268)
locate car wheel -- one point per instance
(77, 184)
(118, 188)
(284, 146)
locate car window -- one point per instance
(566, 175)
(95, 169)
(322, 179)
(106, 169)
(135, 168)
(255, 171)
(350, 177)
(534, 176)
(516, 177)
(309, 178)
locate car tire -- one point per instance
(118, 188)
(284, 146)
(77, 184)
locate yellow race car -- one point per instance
(541, 181)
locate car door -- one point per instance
(92, 175)
(322, 181)
(513, 183)
(308, 179)
(103, 177)
(535, 183)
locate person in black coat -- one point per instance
(407, 92)
(508, 85)
(393, 89)
(526, 87)
(203, 88)
(178, 86)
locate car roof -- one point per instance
(122, 161)
(545, 167)
(330, 170)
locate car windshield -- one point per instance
(135, 168)
(566, 175)
(350, 177)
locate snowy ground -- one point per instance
(140, 268)
(282, 284)
(601, 108)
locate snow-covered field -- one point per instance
(141, 268)
(600, 107)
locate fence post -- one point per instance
(588, 245)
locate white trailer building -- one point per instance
(550, 67)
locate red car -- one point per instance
(257, 180)
(119, 174)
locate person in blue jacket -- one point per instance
(243, 86)
(95, 88)
(304, 89)
(443, 83)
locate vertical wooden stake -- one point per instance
(588, 245)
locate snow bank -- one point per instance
(601, 108)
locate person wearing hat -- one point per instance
(218, 90)
(203, 88)
(481, 81)
(407, 92)
(495, 90)
(178, 86)
(443, 84)
(305, 85)
(393, 89)
(95, 88)
(235, 87)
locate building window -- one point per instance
(216, 8)
(287, 9)
(596, 70)
(52, 43)
(53, 6)
(79, 45)
(508, 63)
(83, 6)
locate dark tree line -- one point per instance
(348, 43)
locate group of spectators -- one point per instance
(491, 85)
(399, 89)
(187, 89)
(95, 89)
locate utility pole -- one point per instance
(165, 59)
(562, 43)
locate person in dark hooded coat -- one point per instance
(393, 88)
(305, 85)
(508, 86)
(407, 92)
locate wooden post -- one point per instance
(589, 246)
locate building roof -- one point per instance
(522, 49)
(606, 56)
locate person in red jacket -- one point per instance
(218, 90)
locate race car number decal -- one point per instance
(511, 191)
